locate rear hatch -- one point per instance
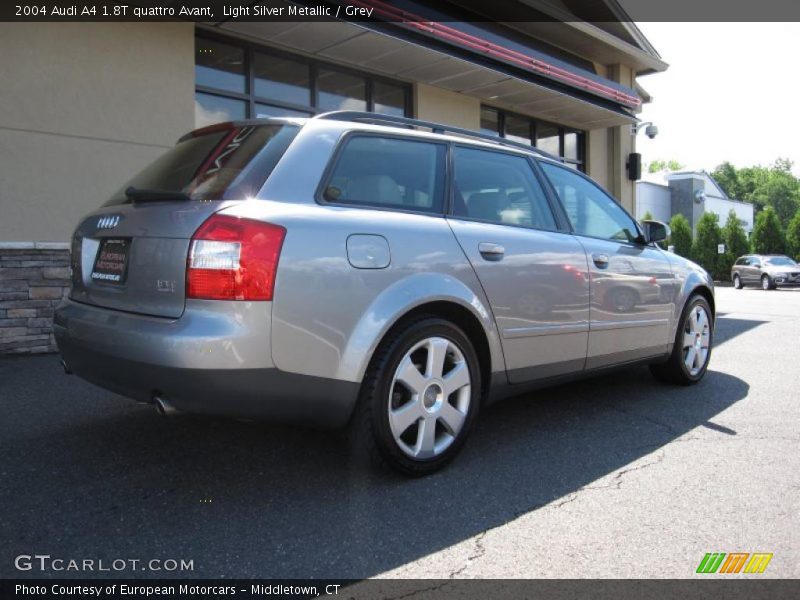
(130, 255)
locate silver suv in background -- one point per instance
(386, 273)
(767, 270)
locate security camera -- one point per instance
(651, 131)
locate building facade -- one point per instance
(87, 105)
(692, 194)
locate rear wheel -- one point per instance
(767, 283)
(737, 282)
(692, 348)
(419, 398)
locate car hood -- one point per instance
(782, 269)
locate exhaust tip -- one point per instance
(65, 367)
(163, 407)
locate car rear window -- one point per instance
(216, 164)
(389, 172)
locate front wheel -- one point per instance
(419, 398)
(737, 282)
(692, 348)
(766, 282)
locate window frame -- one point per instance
(314, 66)
(559, 226)
(535, 124)
(333, 162)
(638, 243)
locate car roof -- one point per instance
(396, 125)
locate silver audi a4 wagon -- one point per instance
(383, 273)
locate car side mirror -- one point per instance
(655, 231)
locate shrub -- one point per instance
(768, 234)
(681, 235)
(706, 242)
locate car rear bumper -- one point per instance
(214, 359)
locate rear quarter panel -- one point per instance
(329, 317)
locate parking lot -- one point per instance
(612, 477)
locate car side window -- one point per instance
(499, 188)
(389, 172)
(591, 211)
(741, 261)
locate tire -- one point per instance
(694, 341)
(737, 282)
(767, 283)
(406, 417)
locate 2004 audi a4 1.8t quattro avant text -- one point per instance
(378, 272)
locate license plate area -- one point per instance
(111, 263)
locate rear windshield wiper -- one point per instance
(154, 195)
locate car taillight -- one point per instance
(233, 259)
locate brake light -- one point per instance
(233, 259)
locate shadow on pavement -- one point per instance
(87, 474)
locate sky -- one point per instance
(732, 92)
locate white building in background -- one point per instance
(691, 193)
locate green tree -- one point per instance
(773, 186)
(648, 216)
(736, 244)
(706, 242)
(767, 233)
(681, 235)
(664, 165)
(793, 237)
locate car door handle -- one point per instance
(491, 251)
(601, 260)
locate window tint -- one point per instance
(282, 79)
(389, 172)
(741, 261)
(499, 188)
(210, 108)
(341, 91)
(389, 99)
(216, 165)
(219, 66)
(591, 211)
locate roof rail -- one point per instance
(368, 117)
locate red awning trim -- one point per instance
(530, 63)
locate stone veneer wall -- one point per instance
(34, 277)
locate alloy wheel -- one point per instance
(696, 338)
(429, 398)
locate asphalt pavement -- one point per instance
(618, 476)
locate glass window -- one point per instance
(341, 91)
(591, 211)
(264, 111)
(518, 129)
(571, 145)
(490, 121)
(377, 171)
(210, 109)
(282, 86)
(499, 188)
(547, 138)
(389, 99)
(282, 79)
(219, 65)
(216, 164)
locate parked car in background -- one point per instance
(358, 268)
(767, 270)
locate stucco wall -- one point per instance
(84, 106)
(655, 199)
(443, 106)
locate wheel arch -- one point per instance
(706, 293)
(424, 293)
